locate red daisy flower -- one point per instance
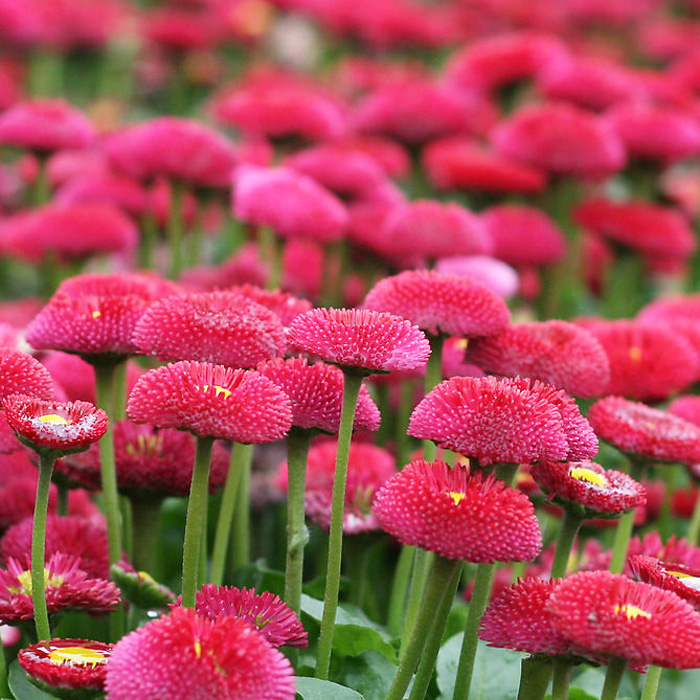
(648, 228)
(171, 147)
(587, 486)
(219, 327)
(46, 125)
(369, 467)
(507, 420)
(51, 426)
(67, 588)
(456, 163)
(561, 139)
(184, 656)
(457, 514)
(22, 373)
(286, 306)
(644, 431)
(364, 340)
(604, 613)
(518, 618)
(316, 392)
(510, 225)
(440, 303)
(67, 667)
(211, 400)
(555, 352)
(293, 205)
(648, 362)
(271, 616)
(683, 580)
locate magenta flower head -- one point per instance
(67, 668)
(518, 618)
(556, 352)
(440, 303)
(211, 400)
(293, 205)
(185, 656)
(174, 148)
(21, 373)
(51, 426)
(360, 340)
(432, 229)
(588, 489)
(457, 514)
(683, 580)
(275, 621)
(608, 614)
(286, 306)
(507, 420)
(643, 431)
(316, 393)
(45, 126)
(67, 588)
(219, 327)
(561, 139)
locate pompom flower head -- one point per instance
(555, 352)
(184, 656)
(440, 303)
(360, 340)
(67, 668)
(457, 514)
(220, 327)
(21, 373)
(211, 400)
(683, 580)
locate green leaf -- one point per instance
(315, 689)
(22, 688)
(496, 671)
(354, 632)
(370, 674)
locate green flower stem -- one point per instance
(442, 573)
(46, 72)
(298, 442)
(561, 679)
(506, 472)
(623, 533)
(535, 675)
(271, 254)
(104, 380)
(63, 493)
(399, 591)
(351, 391)
(4, 688)
(241, 456)
(176, 228)
(41, 615)
(651, 683)
(422, 562)
(194, 524)
(434, 638)
(40, 192)
(477, 605)
(402, 418)
(145, 519)
(624, 286)
(149, 236)
(694, 527)
(613, 678)
(120, 372)
(240, 540)
(433, 376)
(567, 534)
(127, 526)
(357, 560)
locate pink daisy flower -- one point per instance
(440, 303)
(219, 327)
(316, 393)
(184, 656)
(360, 339)
(683, 580)
(457, 514)
(211, 400)
(604, 613)
(556, 352)
(67, 588)
(285, 305)
(21, 373)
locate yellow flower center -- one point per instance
(635, 353)
(78, 656)
(456, 496)
(54, 419)
(25, 580)
(147, 445)
(585, 474)
(218, 390)
(632, 612)
(198, 649)
(677, 574)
